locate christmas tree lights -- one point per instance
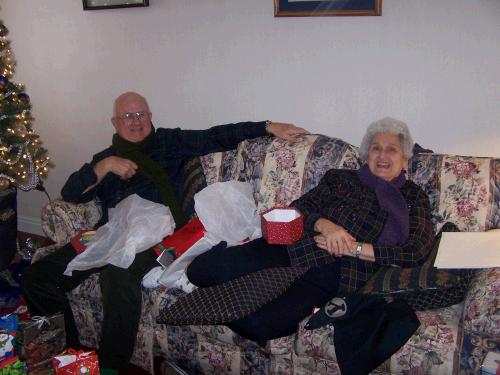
(23, 160)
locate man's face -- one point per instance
(132, 119)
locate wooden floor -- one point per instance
(44, 241)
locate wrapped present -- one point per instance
(76, 363)
(21, 310)
(9, 300)
(282, 225)
(40, 339)
(182, 239)
(13, 366)
(81, 240)
(10, 292)
(8, 329)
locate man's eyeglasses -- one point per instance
(129, 117)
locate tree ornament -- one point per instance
(23, 97)
(3, 82)
(4, 183)
(20, 129)
(3, 30)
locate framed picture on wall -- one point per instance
(111, 4)
(311, 8)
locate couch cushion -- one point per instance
(482, 305)
(463, 190)
(424, 287)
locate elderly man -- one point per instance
(145, 161)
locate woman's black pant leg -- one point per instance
(221, 263)
(281, 317)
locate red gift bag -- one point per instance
(76, 363)
(183, 238)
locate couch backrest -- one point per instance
(278, 171)
(464, 190)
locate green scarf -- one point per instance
(152, 171)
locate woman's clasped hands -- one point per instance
(334, 239)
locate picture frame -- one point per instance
(310, 8)
(113, 4)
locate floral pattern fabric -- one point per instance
(462, 190)
(451, 340)
(62, 220)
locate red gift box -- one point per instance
(80, 240)
(76, 363)
(282, 225)
(183, 238)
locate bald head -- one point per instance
(131, 117)
(128, 97)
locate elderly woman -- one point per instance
(355, 222)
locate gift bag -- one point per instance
(40, 339)
(182, 239)
(76, 363)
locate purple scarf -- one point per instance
(396, 228)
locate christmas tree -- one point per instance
(23, 160)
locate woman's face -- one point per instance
(385, 156)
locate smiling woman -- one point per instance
(306, 8)
(110, 4)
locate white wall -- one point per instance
(434, 64)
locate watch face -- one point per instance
(359, 247)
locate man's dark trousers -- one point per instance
(45, 287)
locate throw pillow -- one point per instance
(424, 287)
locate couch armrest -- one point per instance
(481, 305)
(62, 220)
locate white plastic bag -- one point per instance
(228, 212)
(174, 275)
(134, 225)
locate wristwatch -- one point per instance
(359, 247)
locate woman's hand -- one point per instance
(333, 238)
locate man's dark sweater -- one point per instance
(170, 149)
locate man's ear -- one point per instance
(114, 121)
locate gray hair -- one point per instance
(387, 125)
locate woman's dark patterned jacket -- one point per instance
(342, 198)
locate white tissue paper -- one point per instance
(134, 225)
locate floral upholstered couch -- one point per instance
(450, 340)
